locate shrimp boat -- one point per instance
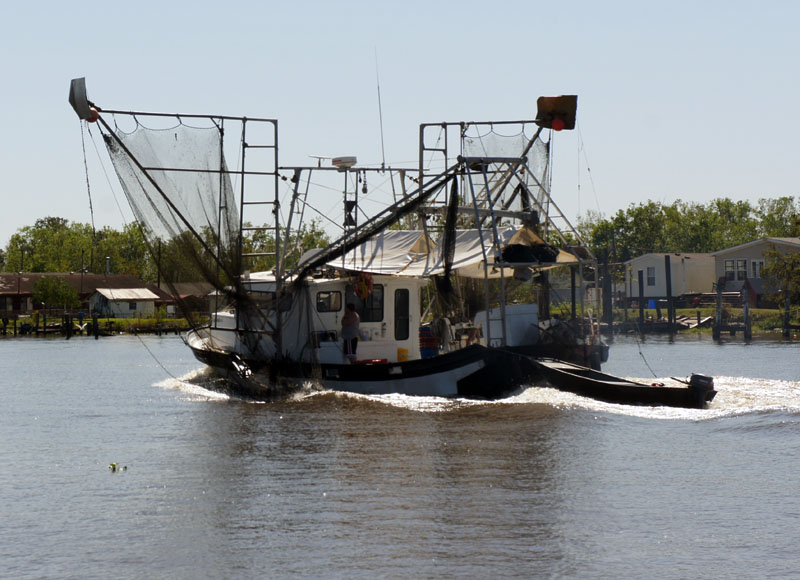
(448, 264)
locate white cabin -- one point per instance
(690, 273)
(311, 326)
(123, 302)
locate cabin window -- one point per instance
(756, 268)
(401, 314)
(651, 276)
(131, 305)
(329, 301)
(730, 273)
(741, 269)
(370, 309)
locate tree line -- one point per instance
(685, 226)
(54, 244)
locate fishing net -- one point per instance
(520, 187)
(178, 186)
(505, 170)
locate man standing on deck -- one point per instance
(350, 322)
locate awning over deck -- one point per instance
(390, 252)
(411, 253)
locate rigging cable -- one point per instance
(91, 208)
(88, 188)
(582, 150)
(380, 110)
(108, 180)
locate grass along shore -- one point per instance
(763, 320)
(28, 325)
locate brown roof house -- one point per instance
(194, 296)
(16, 290)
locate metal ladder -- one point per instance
(259, 174)
(258, 190)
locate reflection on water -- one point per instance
(392, 488)
(543, 483)
(764, 358)
(561, 483)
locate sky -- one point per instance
(681, 100)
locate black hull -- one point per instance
(472, 372)
(596, 385)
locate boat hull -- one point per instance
(596, 385)
(472, 372)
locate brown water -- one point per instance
(544, 484)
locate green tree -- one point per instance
(127, 251)
(50, 245)
(55, 245)
(55, 292)
(777, 217)
(783, 269)
(686, 226)
(736, 223)
(600, 234)
(309, 236)
(693, 227)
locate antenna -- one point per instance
(380, 110)
(319, 159)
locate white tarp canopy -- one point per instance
(410, 253)
(387, 253)
(467, 256)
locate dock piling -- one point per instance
(641, 301)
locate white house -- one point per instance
(690, 273)
(123, 302)
(746, 262)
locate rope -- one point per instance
(155, 358)
(641, 354)
(88, 188)
(108, 179)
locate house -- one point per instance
(691, 274)
(192, 296)
(123, 302)
(17, 289)
(745, 263)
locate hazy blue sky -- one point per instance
(677, 100)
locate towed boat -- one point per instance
(448, 265)
(696, 393)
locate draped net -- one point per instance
(177, 184)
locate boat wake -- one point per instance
(198, 385)
(204, 384)
(735, 396)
